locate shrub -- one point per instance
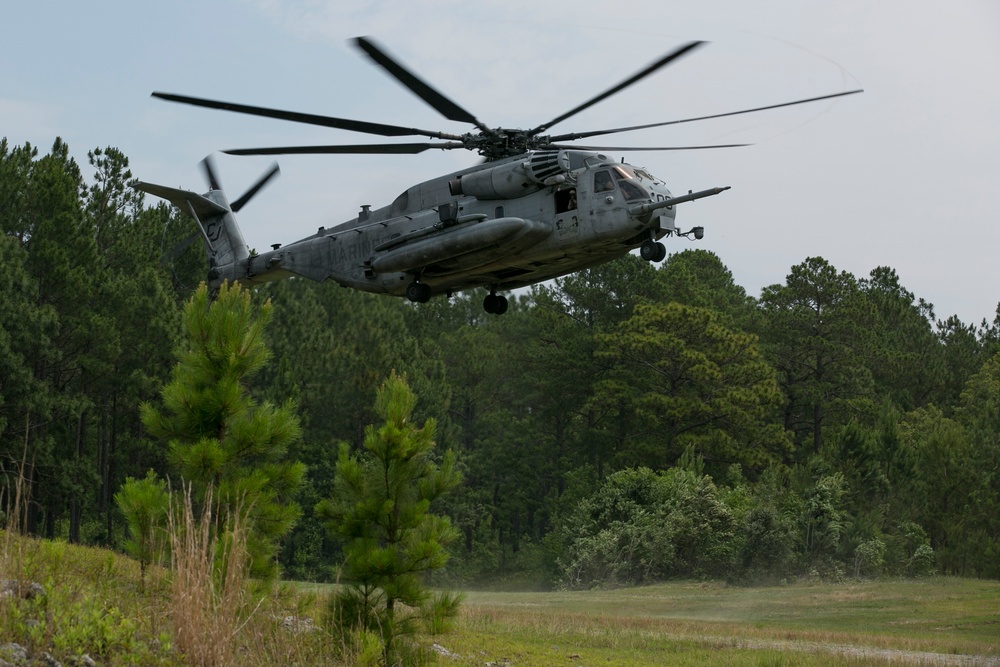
(641, 526)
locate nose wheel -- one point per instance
(495, 304)
(652, 251)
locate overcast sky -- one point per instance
(905, 175)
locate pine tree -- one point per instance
(381, 506)
(145, 504)
(219, 437)
(818, 330)
(686, 380)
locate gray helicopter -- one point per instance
(534, 210)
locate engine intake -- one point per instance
(514, 179)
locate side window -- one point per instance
(498, 212)
(603, 182)
(565, 200)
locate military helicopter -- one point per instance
(535, 209)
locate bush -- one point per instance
(869, 557)
(765, 552)
(635, 552)
(641, 527)
(909, 552)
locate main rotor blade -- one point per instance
(424, 91)
(581, 135)
(636, 148)
(665, 60)
(398, 149)
(310, 119)
(249, 194)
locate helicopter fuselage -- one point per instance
(500, 225)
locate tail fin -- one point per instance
(227, 251)
(223, 240)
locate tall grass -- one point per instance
(12, 556)
(209, 585)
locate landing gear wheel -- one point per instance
(648, 250)
(651, 251)
(418, 292)
(495, 304)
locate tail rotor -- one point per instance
(208, 166)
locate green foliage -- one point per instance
(332, 349)
(869, 557)
(641, 527)
(222, 441)
(619, 536)
(936, 454)
(906, 358)
(692, 382)
(979, 413)
(765, 546)
(818, 331)
(144, 503)
(823, 521)
(381, 507)
(91, 602)
(94, 326)
(699, 278)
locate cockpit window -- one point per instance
(642, 174)
(633, 190)
(603, 182)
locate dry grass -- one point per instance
(96, 603)
(209, 584)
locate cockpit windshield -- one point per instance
(632, 190)
(627, 182)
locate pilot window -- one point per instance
(626, 181)
(565, 200)
(632, 190)
(603, 182)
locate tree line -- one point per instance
(625, 424)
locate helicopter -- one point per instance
(536, 208)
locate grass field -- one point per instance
(933, 621)
(97, 604)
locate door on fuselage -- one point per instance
(597, 198)
(567, 213)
